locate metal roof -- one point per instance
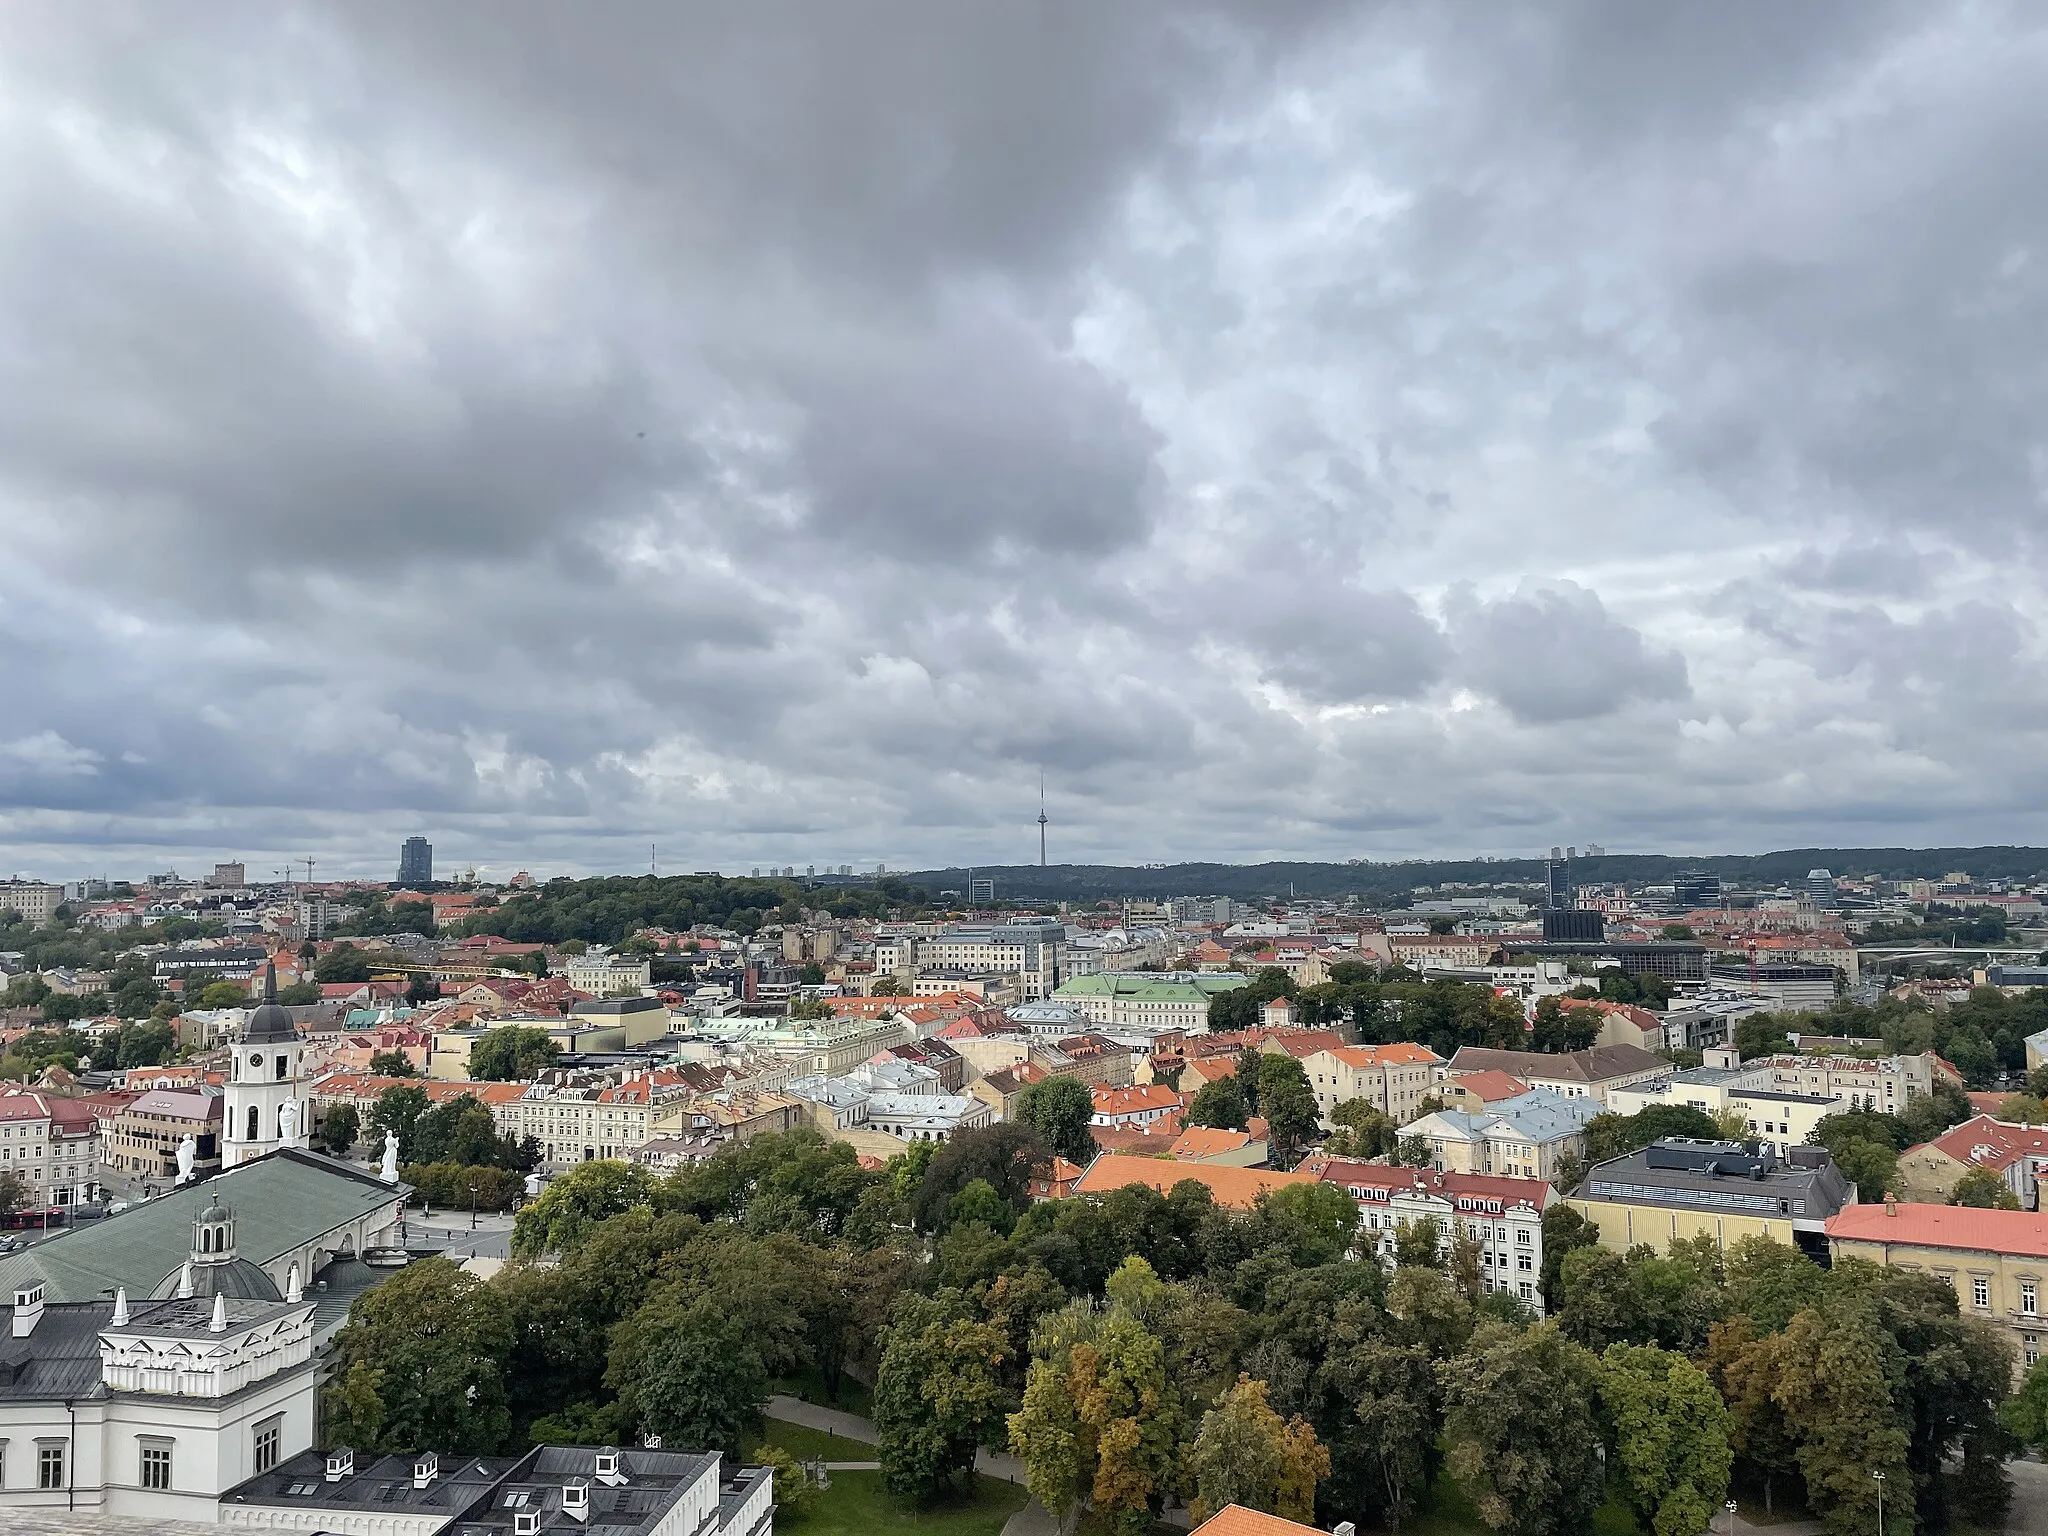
(282, 1202)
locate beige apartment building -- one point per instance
(1394, 1079)
(1996, 1261)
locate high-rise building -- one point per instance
(1694, 890)
(416, 862)
(231, 876)
(1820, 885)
(1557, 880)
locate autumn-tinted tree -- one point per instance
(1246, 1454)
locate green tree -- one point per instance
(148, 1044)
(796, 1496)
(339, 1128)
(2023, 1109)
(1560, 1029)
(1219, 1105)
(461, 1130)
(1288, 1105)
(939, 1395)
(2025, 1413)
(396, 1113)
(701, 1381)
(391, 1064)
(1833, 1377)
(221, 994)
(421, 1364)
(1246, 1454)
(572, 1205)
(512, 1053)
(1364, 1130)
(1564, 1230)
(979, 1202)
(1419, 1244)
(1390, 1416)
(1519, 1436)
(1983, 1188)
(1670, 1436)
(13, 1191)
(299, 994)
(1060, 1109)
(343, 963)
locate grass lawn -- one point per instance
(858, 1506)
(814, 1444)
(854, 1396)
(1451, 1513)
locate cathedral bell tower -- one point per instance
(263, 1111)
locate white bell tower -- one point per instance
(264, 1080)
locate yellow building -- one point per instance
(1725, 1190)
(1996, 1261)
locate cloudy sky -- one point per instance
(777, 432)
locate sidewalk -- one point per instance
(794, 1410)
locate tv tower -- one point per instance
(1042, 818)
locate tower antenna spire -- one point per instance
(1041, 818)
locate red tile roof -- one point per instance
(1991, 1143)
(2020, 1233)
(1490, 1086)
(1236, 1520)
(1238, 1188)
(1456, 1187)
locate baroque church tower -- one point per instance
(263, 1082)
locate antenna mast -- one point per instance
(1041, 818)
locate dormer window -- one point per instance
(607, 1463)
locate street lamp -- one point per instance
(1877, 1476)
(472, 1205)
(1730, 1508)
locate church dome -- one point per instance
(237, 1279)
(271, 1022)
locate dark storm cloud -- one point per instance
(781, 431)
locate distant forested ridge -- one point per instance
(1099, 882)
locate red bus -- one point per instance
(16, 1221)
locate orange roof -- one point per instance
(2020, 1233)
(1131, 1101)
(1236, 1520)
(1238, 1188)
(1199, 1141)
(1401, 1054)
(1491, 1086)
(1296, 1042)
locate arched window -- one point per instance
(253, 1123)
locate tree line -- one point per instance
(1138, 1350)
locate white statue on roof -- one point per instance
(188, 1154)
(389, 1172)
(288, 1123)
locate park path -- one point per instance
(837, 1421)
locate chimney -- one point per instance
(1891, 1203)
(28, 1309)
(425, 1469)
(576, 1500)
(341, 1463)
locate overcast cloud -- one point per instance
(777, 432)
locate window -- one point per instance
(156, 1464)
(1526, 1291)
(2027, 1297)
(50, 1464)
(1524, 1262)
(2030, 1347)
(1980, 1291)
(268, 1434)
